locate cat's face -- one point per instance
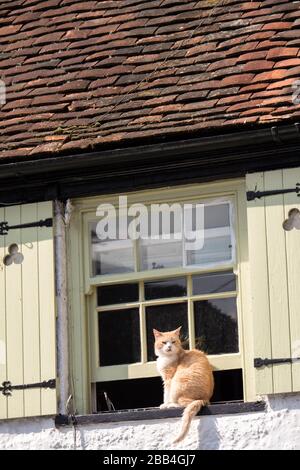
(167, 343)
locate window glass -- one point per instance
(119, 337)
(166, 318)
(213, 283)
(167, 239)
(163, 246)
(218, 243)
(117, 294)
(111, 256)
(216, 330)
(165, 288)
(160, 254)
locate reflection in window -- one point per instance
(165, 288)
(218, 242)
(166, 318)
(216, 216)
(111, 256)
(117, 294)
(119, 337)
(216, 330)
(160, 254)
(162, 243)
(213, 283)
(162, 248)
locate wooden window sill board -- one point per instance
(156, 413)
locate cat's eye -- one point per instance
(173, 342)
(164, 342)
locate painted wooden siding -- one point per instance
(27, 313)
(274, 256)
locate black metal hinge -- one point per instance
(252, 195)
(7, 386)
(259, 362)
(4, 227)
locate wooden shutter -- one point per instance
(27, 313)
(274, 256)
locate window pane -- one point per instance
(213, 283)
(111, 256)
(159, 254)
(119, 337)
(161, 249)
(165, 318)
(117, 294)
(218, 243)
(217, 215)
(163, 289)
(216, 330)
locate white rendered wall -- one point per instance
(276, 428)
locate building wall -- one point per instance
(276, 428)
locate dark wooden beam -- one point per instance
(156, 413)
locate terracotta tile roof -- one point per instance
(82, 75)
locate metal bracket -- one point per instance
(259, 362)
(4, 227)
(7, 386)
(252, 195)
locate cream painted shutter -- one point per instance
(27, 313)
(274, 256)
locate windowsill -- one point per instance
(156, 413)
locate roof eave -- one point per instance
(63, 176)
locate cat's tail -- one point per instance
(189, 412)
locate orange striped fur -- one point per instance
(187, 377)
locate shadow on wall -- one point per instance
(279, 402)
(208, 434)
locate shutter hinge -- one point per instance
(4, 227)
(252, 195)
(7, 386)
(259, 362)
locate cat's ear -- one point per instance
(177, 332)
(156, 333)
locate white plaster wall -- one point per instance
(276, 428)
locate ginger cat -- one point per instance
(187, 376)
